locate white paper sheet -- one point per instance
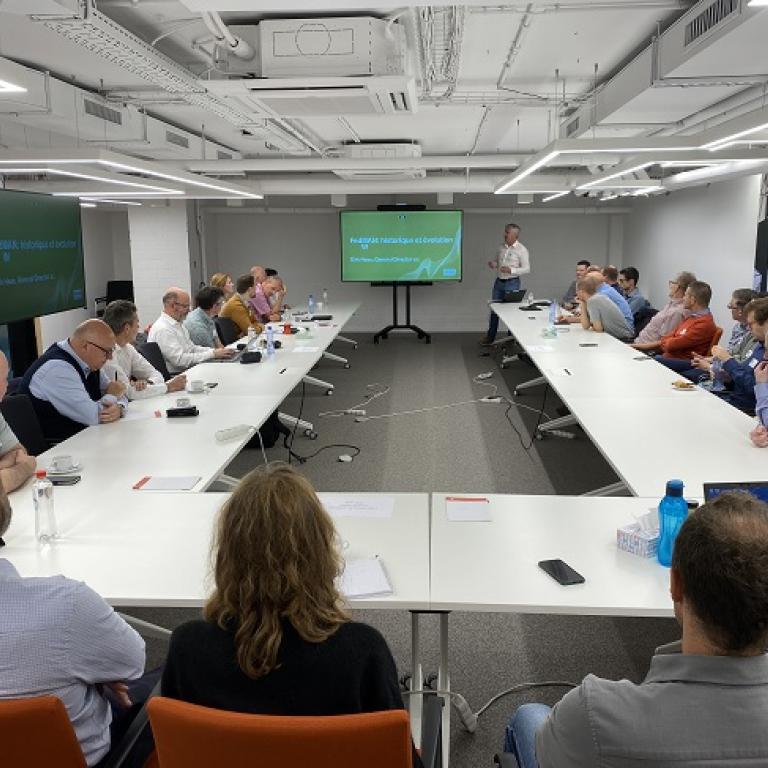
(305, 349)
(342, 505)
(467, 509)
(186, 483)
(131, 415)
(365, 578)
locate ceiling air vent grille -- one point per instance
(571, 128)
(223, 155)
(709, 18)
(95, 109)
(177, 139)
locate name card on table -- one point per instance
(349, 505)
(468, 509)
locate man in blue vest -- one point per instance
(67, 387)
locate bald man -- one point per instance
(67, 387)
(169, 333)
(258, 303)
(16, 465)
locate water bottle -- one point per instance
(673, 510)
(553, 312)
(45, 519)
(325, 299)
(311, 304)
(270, 341)
(529, 298)
(716, 375)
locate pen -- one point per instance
(567, 371)
(284, 370)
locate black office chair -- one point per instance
(151, 351)
(22, 419)
(643, 317)
(116, 289)
(227, 329)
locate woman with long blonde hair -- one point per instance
(275, 637)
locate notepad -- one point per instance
(467, 509)
(148, 483)
(365, 578)
(306, 349)
(342, 505)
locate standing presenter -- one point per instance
(512, 261)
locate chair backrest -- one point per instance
(119, 289)
(151, 351)
(227, 329)
(22, 419)
(717, 336)
(188, 736)
(643, 317)
(36, 733)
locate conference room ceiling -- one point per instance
(462, 99)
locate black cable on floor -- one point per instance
(511, 403)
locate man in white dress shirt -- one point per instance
(512, 261)
(179, 351)
(127, 365)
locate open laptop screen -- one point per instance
(759, 489)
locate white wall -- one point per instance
(106, 256)
(304, 248)
(710, 231)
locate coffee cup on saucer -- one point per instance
(196, 386)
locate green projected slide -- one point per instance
(400, 246)
(41, 255)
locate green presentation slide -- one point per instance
(41, 255)
(400, 246)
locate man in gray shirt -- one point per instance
(598, 312)
(704, 701)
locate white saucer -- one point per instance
(76, 467)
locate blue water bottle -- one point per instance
(673, 509)
(270, 341)
(311, 304)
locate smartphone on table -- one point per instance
(561, 572)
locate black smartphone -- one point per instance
(68, 480)
(588, 344)
(561, 572)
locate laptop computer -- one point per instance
(513, 297)
(758, 489)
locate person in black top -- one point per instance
(275, 637)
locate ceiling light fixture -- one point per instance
(523, 172)
(113, 202)
(78, 175)
(757, 3)
(87, 205)
(625, 172)
(6, 87)
(102, 192)
(555, 196)
(720, 143)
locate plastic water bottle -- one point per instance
(716, 375)
(270, 341)
(673, 510)
(311, 304)
(552, 312)
(325, 299)
(42, 497)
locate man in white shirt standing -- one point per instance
(512, 261)
(127, 365)
(179, 351)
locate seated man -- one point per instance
(16, 465)
(628, 280)
(669, 317)
(258, 302)
(272, 290)
(569, 301)
(59, 638)
(611, 277)
(200, 323)
(128, 366)
(598, 312)
(237, 307)
(759, 434)
(179, 351)
(613, 295)
(704, 700)
(67, 386)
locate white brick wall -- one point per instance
(159, 254)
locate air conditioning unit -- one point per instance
(332, 47)
(404, 150)
(314, 97)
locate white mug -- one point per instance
(62, 463)
(196, 386)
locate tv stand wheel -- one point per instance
(328, 392)
(310, 434)
(347, 365)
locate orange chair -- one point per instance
(190, 736)
(36, 733)
(717, 336)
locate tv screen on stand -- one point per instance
(41, 255)
(401, 246)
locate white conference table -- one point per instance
(647, 430)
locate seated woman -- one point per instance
(275, 637)
(224, 282)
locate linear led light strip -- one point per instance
(6, 87)
(556, 195)
(616, 175)
(113, 202)
(726, 141)
(59, 172)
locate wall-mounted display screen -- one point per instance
(400, 246)
(41, 255)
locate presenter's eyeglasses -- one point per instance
(107, 352)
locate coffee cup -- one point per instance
(62, 463)
(287, 329)
(196, 386)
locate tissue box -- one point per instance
(631, 538)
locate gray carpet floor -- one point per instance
(463, 448)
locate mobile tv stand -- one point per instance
(395, 325)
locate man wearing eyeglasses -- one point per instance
(67, 387)
(169, 333)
